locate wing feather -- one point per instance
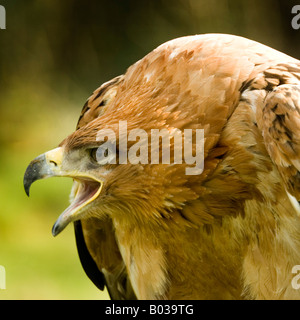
(281, 130)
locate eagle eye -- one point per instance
(105, 153)
(93, 154)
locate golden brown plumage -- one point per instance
(232, 232)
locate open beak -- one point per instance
(85, 189)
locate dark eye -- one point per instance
(106, 153)
(101, 153)
(93, 154)
(98, 153)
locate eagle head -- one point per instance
(116, 170)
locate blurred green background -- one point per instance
(53, 54)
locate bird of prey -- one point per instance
(150, 230)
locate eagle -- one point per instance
(149, 230)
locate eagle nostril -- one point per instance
(55, 164)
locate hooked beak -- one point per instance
(85, 188)
(44, 166)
